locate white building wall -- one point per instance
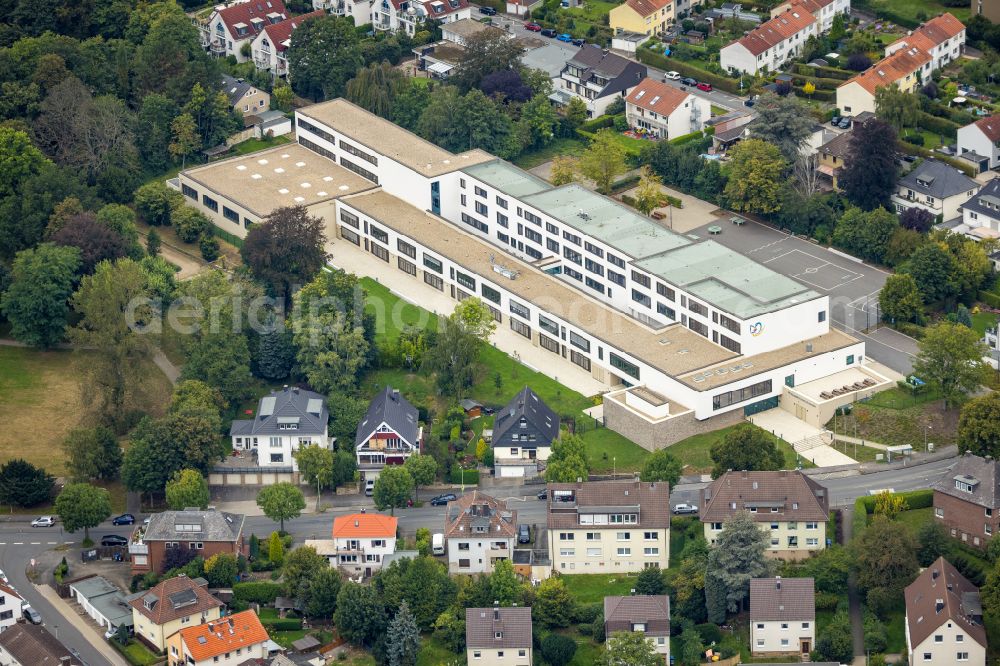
(949, 651)
(811, 536)
(9, 604)
(278, 450)
(256, 651)
(369, 556)
(971, 138)
(736, 57)
(786, 636)
(571, 551)
(480, 550)
(853, 98)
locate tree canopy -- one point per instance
(951, 360)
(745, 448)
(870, 171)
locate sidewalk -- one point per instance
(70, 616)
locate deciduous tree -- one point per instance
(885, 556)
(316, 466)
(784, 122)
(487, 52)
(899, 109)
(376, 88)
(422, 469)
(979, 425)
(755, 170)
(553, 604)
(187, 488)
(92, 453)
(392, 488)
(280, 502)
(890, 504)
(870, 170)
(649, 194)
(222, 570)
(661, 465)
(568, 460)
(866, 234)
(603, 160)
(299, 571)
(81, 505)
(650, 582)
(933, 269)
(899, 299)
(184, 138)
(951, 360)
(36, 302)
(359, 617)
(563, 171)
(96, 242)
(286, 249)
(745, 448)
(558, 650)
(155, 201)
(629, 649)
(323, 57)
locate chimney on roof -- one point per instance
(356, 524)
(934, 574)
(777, 582)
(579, 482)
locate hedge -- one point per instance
(261, 592)
(228, 237)
(471, 476)
(830, 72)
(692, 137)
(991, 299)
(888, 14)
(658, 60)
(937, 125)
(821, 95)
(626, 183)
(597, 123)
(915, 499)
(282, 624)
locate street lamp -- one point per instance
(926, 428)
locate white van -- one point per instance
(437, 544)
(369, 487)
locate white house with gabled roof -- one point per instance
(286, 421)
(388, 435)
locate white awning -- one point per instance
(440, 68)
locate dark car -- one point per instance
(124, 519)
(441, 500)
(114, 540)
(31, 615)
(488, 11)
(834, 121)
(543, 494)
(704, 87)
(579, 42)
(548, 32)
(532, 27)
(688, 81)
(749, 102)
(523, 533)
(845, 123)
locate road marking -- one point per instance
(18, 543)
(51, 543)
(36, 543)
(68, 542)
(3, 543)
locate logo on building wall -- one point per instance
(756, 328)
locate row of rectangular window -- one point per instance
(741, 395)
(361, 171)
(573, 255)
(475, 224)
(308, 126)
(357, 152)
(379, 252)
(406, 266)
(350, 218)
(378, 234)
(521, 328)
(593, 249)
(489, 293)
(406, 248)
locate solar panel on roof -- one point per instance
(267, 406)
(314, 406)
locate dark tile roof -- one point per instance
(395, 411)
(211, 525)
(235, 89)
(796, 496)
(650, 500)
(620, 613)
(33, 645)
(937, 179)
(593, 60)
(174, 598)
(940, 594)
(483, 624)
(838, 146)
(528, 406)
(986, 201)
(979, 473)
(306, 408)
(479, 510)
(776, 599)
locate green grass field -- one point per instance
(982, 321)
(694, 451)
(914, 10)
(253, 145)
(139, 654)
(592, 588)
(564, 146)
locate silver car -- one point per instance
(685, 509)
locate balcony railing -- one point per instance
(217, 47)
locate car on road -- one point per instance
(441, 500)
(543, 494)
(523, 533)
(114, 540)
(124, 519)
(44, 521)
(749, 101)
(31, 615)
(685, 509)
(688, 81)
(532, 27)
(671, 76)
(565, 37)
(579, 42)
(548, 32)
(704, 87)
(369, 487)
(488, 11)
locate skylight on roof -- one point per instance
(306, 186)
(300, 164)
(241, 167)
(283, 191)
(654, 100)
(641, 93)
(256, 176)
(262, 161)
(279, 170)
(299, 199)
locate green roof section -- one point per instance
(508, 178)
(726, 279)
(607, 220)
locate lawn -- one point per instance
(286, 638)
(895, 631)
(253, 145)
(982, 321)
(693, 452)
(592, 588)
(40, 394)
(434, 653)
(915, 518)
(914, 10)
(565, 146)
(138, 654)
(858, 452)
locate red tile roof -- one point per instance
(646, 8)
(215, 638)
(279, 33)
(941, 594)
(174, 598)
(364, 526)
(781, 27)
(657, 96)
(784, 495)
(932, 33)
(245, 12)
(889, 70)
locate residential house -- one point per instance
(523, 432)
(979, 142)
(936, 187)
(646, 17)
(782, 616)
(457, 32)
(205, 532)
(409, 15)
(943, 38)
(229, 28)
(988, 8)
(981, 213)
(832, 156)
(161, 611)
(522, 7)
(245, 98)
(788, 505)
(608, 526)
(664, 111)
(361, 540)
(270, 47)
(944, 618)
(645, 614)
(388, 435)
(967, 500)
(597, 77)
(498, 636)
(33, 645)
(824, 10)
(439, 59)
(103, 601)
(904, 68)
(478, 531)
(285, 421)
(359, 10)
(771, 44)
(730, 129)
(10, 606)
(229, 641)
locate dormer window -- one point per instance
(963, 486)
(498, 635)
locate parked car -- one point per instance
(579, 42)
(44, 521)
(532, 27)
(441, 500)
(548, 32)
(749, 101)
(565, 37)
(845, 123)
(488, 11)
(114, 540)
(688, 81)
(543, 494)
(671, 76)
(369, 487)
(523, 533)
(704, 87)
(437, 544)
(31, 615)
(834, 121)
(124, 519)
(685, 509)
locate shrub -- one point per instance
(915, 139)
(587, 613)
(826, 601)
(209, 246)
(261, 592)
(710, 633)
(621, 124)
